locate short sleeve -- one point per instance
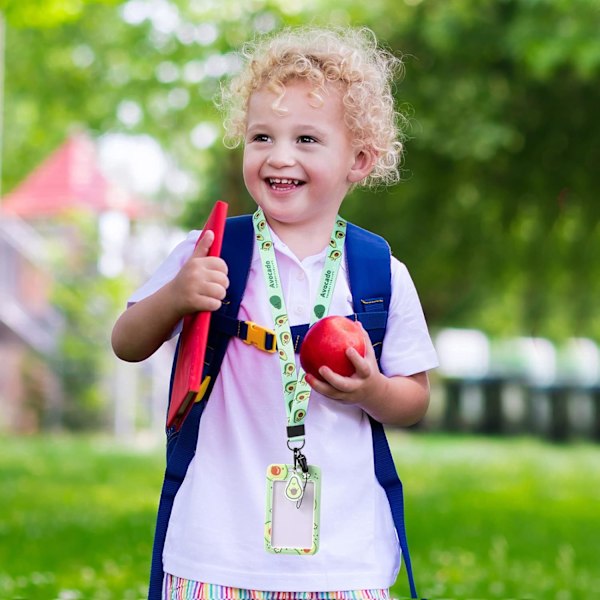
(167, 269)
(407, 347)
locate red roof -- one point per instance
(69, 179)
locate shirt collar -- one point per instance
(283, 249)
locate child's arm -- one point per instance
(200, 285)
(397, 400)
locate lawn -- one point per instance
(487, 518)
(501, 518)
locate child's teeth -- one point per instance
(285, 181)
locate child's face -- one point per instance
(299, 165)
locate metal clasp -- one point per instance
(300, 461)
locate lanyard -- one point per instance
(296, 391)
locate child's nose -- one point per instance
(281, 155)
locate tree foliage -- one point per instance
(88, 303)
(498, 214)
(497, 217)
(45, 13)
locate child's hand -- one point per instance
(202, 282)
(200, 285)
(359, 387)
(398, 400)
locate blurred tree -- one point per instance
(45, 13)
(88, 303)
(497, 216)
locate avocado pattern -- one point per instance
(294, 488)
(303, 396)
(290, 369)
(299, 415)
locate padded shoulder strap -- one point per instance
(238, 244)
(369, 268)
(181, 445)
(369, 271)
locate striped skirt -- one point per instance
(175, 588)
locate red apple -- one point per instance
(326, 342)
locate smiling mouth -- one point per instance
(282, 183)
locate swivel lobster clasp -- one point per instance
(300, 461)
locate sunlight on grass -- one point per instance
(500, 518)
(80, 512)
(486, 518)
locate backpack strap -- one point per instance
(265, 339)
(181, 445)
(369, 271)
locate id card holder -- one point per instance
(293, 508)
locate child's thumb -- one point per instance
(204, 244)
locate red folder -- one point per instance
(188, 386)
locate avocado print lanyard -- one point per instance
(296, 391)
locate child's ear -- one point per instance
(364, 161)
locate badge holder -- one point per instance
(293, 507)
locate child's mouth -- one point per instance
(283, 184)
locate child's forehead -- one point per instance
(315, 94)
(298, 105)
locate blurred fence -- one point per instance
(519, 385)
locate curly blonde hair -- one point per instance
(348, 57)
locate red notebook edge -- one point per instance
(188, 386)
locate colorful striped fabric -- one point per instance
(176, 588)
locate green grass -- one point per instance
(76, 518)
(501, 518)
(487, 518)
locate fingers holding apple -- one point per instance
(346, 383)
(326, 344)
(338, 358)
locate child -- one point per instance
(315, 112)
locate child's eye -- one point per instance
(260, 137)
(306, 139)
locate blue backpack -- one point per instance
(368, 259)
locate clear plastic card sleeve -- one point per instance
(293, 507)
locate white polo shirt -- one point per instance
(216, 530)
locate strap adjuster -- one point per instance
(261, 337)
